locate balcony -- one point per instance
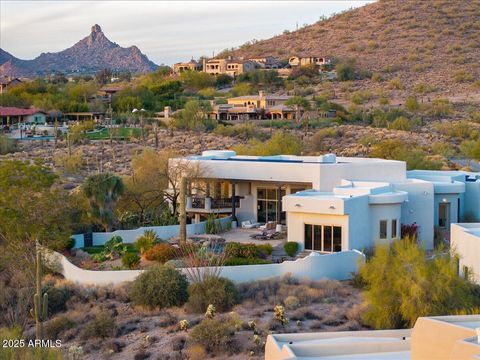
(208, 204)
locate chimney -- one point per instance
(261, 93)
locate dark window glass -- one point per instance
(394, 228)
(337, 238)
(308, 237)
(261, 194)
(317, 237)
(327, 238)
(383, 229)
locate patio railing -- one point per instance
(210, 203)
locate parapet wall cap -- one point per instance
(219, 154)
(328, 158)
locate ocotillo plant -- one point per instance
(40, 303)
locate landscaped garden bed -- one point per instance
(149, 250)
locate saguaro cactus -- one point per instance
(40, 303)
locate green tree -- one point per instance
(402, 284)
(145, 188)
(33, 208)
(103, 191)
(299, 104)
(194, 114)
(195, 80)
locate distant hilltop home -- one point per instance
(255, 107)
(308, 60)
(192, 65)
(8, 82)
(330, 203)
(12, 115)
(230, 66)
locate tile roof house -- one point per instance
(13, 115)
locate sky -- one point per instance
(167, 32)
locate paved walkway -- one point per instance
(243, 236)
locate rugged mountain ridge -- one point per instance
(92, 53)
(431, 41)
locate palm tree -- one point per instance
(103, 191)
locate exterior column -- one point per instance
(183, 215)
(279, 205)
(197, 218)
(234, 208)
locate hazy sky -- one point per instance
(166, 32)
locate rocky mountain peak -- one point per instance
(96, 29)
(91, 54)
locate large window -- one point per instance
(383, 229)
(323, 238)
(267, 204)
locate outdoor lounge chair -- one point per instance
(248, 225)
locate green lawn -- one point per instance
(118, 133)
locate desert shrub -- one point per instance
(316, 142)
(161, 253)
(443, 148)
(400, 123)
(146, 241)
(197, 352)
(71, 163)
(439, 108)
(396, 298)
(395, 84)
(159, 287)
(291, 248)
(103, 326)
(57, 299)
(360, 97)
(460, 129)
(462, 76)
(215, 335)
(7, 145)
(345, 70)
(235, 261)
(56, 326)
(411, 104)
(217, 291)
(291, 302)
(130, 260)
(248, 251)
(265, 249)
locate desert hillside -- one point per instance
(434, 42)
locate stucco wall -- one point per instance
(467, 247)
(419, 208)
(130, 236)
(296, 226)
(384, 212)
(471, 207)
(337, 266)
